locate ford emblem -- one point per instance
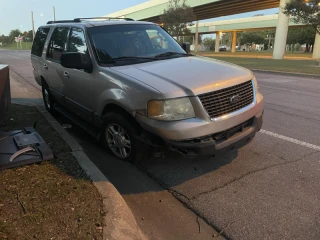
(234, 99)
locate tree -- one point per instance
(209, 43)
(239, 38)
(227, 39)
(177, 18)
(4, 39)
(304, 11)
(251, 37)
(305, 35)
(14, 33)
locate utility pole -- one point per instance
(33, 34)
(54, 13)
(197, 37)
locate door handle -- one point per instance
(45, 66)
(66, 74)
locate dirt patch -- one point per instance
(50, 200)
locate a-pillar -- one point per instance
(316, 47)
(218, 34)
(234, 42)
(281, 33)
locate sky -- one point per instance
(16, 14)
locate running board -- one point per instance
(93, 131)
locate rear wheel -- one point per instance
(120, 136)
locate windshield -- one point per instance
(144, 41)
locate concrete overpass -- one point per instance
(241, 24)
(206, 9)
(203, 9)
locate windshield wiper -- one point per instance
(132, 58)
(168, 54)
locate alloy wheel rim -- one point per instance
(118, 140)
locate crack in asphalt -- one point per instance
(182, 198)
(250, 173)
(162, 184)
(177, 193)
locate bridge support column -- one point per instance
(218, 34)
(281, 33)
(234, 41)
(316, 48)
(196, 42)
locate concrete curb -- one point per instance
(119, 220)
(287, 73)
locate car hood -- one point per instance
(187, 76)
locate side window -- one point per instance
(39, 41)
(57, 43)
(77, 41)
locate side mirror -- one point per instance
(77, 61)
(186, 47)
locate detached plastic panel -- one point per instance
(5, 97)
(11, 143)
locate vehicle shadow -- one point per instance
(166, 169)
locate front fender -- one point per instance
(117, 97)
(124, 91)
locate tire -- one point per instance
(119, 136)
(47, 98)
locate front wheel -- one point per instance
(120, 137)
(47, 98)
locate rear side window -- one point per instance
(39, 41)
(57, 43)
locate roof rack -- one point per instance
(106, 18)
(61, 21)
(79, 19)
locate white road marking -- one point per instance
(292, 140)
(14, 57)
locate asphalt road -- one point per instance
(268, 189)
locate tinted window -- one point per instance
(77, 41)
(140, 40)
(57, 43)
(39, 41)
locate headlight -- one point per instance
(170, 110)
(255, 83)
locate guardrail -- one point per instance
(5, 96)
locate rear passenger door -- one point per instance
(78, 84)
(54, 76)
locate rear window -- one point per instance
(39, 41)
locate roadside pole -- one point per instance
(197, 37)
(32, 25)
(54, 13)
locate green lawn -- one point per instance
(257, 54)
(13, 46)
(294, 66)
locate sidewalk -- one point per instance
(119, 222)
(23, 92)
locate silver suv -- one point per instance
(130, 83)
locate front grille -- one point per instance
(218, 103)
(224, 135)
